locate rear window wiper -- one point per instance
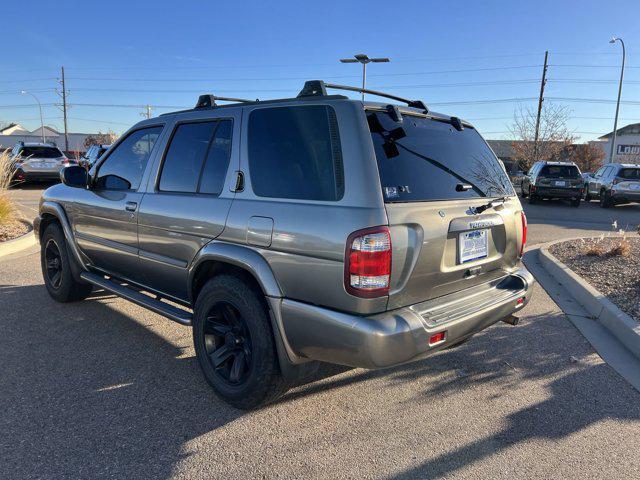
(496, 202)
(463, 186)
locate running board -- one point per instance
(173, 313)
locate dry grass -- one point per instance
(598, 249)
(623, 249)
(6, 209)
(6, 205)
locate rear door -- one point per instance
(433, 177)
(188, 198)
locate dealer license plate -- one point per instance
(560, 183)
(473, 245)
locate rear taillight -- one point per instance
(65, 161)
(616, 181)
(368, 262)
(525, 227)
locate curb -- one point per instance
(599, 307)
(17, 244)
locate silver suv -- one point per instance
(553, 180)
(36, 161)
(615, 184)
(293, 232)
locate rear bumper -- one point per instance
(35, 175)
(625, 196)
(402, 335)
(550, 192)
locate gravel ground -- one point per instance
(616, 276)
(12, 230)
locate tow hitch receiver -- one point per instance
(511, 320)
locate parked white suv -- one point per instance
(37, 161)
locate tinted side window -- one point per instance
(294, 152)
(124, 167)
(184, 158)
(215, 167)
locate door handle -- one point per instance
(130, 206)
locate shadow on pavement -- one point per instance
(86, 391)
(581, 391)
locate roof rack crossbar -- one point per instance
(318, 88)
(209, 100)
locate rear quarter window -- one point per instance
(295, 153)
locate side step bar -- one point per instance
(173, 313)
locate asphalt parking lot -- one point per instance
(103, 388)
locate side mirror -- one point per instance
(74, 176)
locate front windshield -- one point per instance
(430, 160)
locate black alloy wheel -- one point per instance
(53, 263)
(228, 343)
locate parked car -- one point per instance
(615, 184)
(548, 180)
(296, 231)
(35, 161)
(92, 155)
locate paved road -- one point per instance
(103, 388)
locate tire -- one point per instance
(575, 202)
(587, 196)
(524, 195)
(532, 198)
(605, 199)
(56, 268)
(234, 343)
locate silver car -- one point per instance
(37, 161)
(293, 232)
(615, 184)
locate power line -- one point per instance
(252, 79)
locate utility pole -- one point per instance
(615, 122)
(540, 100)
(64, 112)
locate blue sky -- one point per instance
(166, 53)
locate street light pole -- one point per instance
(363, 59)
(24, 92)
(615, 122)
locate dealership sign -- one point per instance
(628, 150)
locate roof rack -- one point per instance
(209, 100)
(313, 88)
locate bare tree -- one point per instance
(588, 157)
(554, 135)
(100, 139)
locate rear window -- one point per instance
(560, 171)
(630, 173)
(40, 152)
(422, 159)
(294, 152)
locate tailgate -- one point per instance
(429, 255)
